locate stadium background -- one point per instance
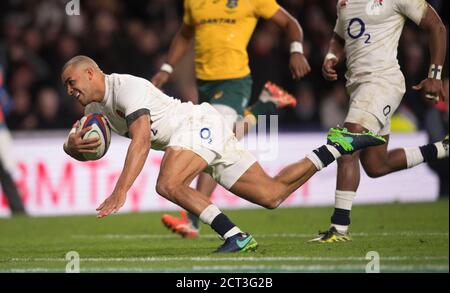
(37, 37)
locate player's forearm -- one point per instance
(180, 45)
(134, 163)
(432, 24)
(438, 43)
(337, 47)
(294, 31)
(292, 28)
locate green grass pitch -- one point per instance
(407, 237)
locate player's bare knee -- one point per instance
(270, 203)
(374, 168)
(271, 199)
(167, 188)
(374, 171)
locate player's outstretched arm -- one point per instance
(335, 54)
(432, 86)
(298, 64)
(75, 145)
(178, 48)
(138, 150)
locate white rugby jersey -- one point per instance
(371, 30)
(126, 96)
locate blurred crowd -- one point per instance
(37, 37)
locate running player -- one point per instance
(367, 33)
(6, 160)
(195, 139)
(222, 30)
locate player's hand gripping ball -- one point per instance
(100, 129)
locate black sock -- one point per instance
(221, 224)
(325, 155)
(429, 152)
(341, 217)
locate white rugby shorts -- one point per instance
(206, 133)
(374, 101)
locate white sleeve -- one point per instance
(132, 99)
(412, 9)
(339, 27)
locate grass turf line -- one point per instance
(408, 237)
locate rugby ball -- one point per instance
(100, 129)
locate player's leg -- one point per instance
(247, 179)
(256, 186)
(347, 183)
(178, 168)
(6, 181)
(371, 105)
(188, 225)
(259, 188)
(11, 192)
(228, 97)
(378, 161)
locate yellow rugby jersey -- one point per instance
(222, 31)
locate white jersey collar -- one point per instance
(108, 88)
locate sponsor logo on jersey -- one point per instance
(218, 95)
(387, 110)
(205, 134)
(217, 21)
(232, 3)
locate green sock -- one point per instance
(194, 220)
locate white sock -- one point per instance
(315, 160)
(235, 230)
(442, 152)
(413, 157)
(207, 215)
(340, 228)
(336, 154)
(344, 199)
